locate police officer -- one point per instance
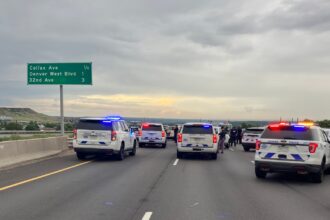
(233, 137)
(239, 135)
(176, 131)
(222, 138)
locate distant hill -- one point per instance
(25, 114)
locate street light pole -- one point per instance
(62, 110)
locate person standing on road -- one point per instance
(233, 137)
(239, 135)
(222, 138)
(176, 131)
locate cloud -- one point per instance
(204, 59)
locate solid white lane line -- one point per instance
(175, 162)
(147, 216)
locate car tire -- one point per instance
(246, 149)
(179, 155)
(319, 176)
(260, 174)
(133, 152)
(81, 156)
(164, 145)
(121, 153)
(141, 145)
(214, 156)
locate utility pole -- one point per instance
(62, 110)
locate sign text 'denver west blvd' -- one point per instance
(59, 73)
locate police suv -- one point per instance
(103, 136)
(250, 137)
(301, 148)
(152, 134)
(197, 138)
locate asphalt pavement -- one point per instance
(155, 185)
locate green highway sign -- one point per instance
(59, 74)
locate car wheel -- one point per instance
(141, 145)
(179, 155)
(164, 145)
(81, 156)
(319, 176)
(260, 174)
(133, 152)
(214, 156)
(246, 149)
(121, 154)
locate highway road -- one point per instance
(154, 185)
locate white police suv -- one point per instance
(103, 136)
(250, 137)
(152, 134)
(301, 148)
(197, 138)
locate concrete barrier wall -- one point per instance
(13, 152)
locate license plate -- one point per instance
(284, 149)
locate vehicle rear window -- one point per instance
(94, 125)
(197, 129)
(290, 134)
(254, 131)
(152, 128)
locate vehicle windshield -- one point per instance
(289, 134)
(94, 125)
(253, 131)
(152, 127)
(197, 129)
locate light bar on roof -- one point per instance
(306, 123)
(113, 118)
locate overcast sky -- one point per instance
(216, 59)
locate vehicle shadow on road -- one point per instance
(200, 157)
(152, 147)
(292, 179)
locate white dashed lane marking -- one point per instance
(147, 216)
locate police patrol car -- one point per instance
(197, 138)
(250, 137)
(152, 134)
(301, 148)
(105, 136)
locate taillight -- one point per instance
(140, 133)
(163, 134)
(74, 133)
(258, 144)
(113, 135)
(179, 137)
(313, 147)
(215, 139)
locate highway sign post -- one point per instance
(59, 74)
